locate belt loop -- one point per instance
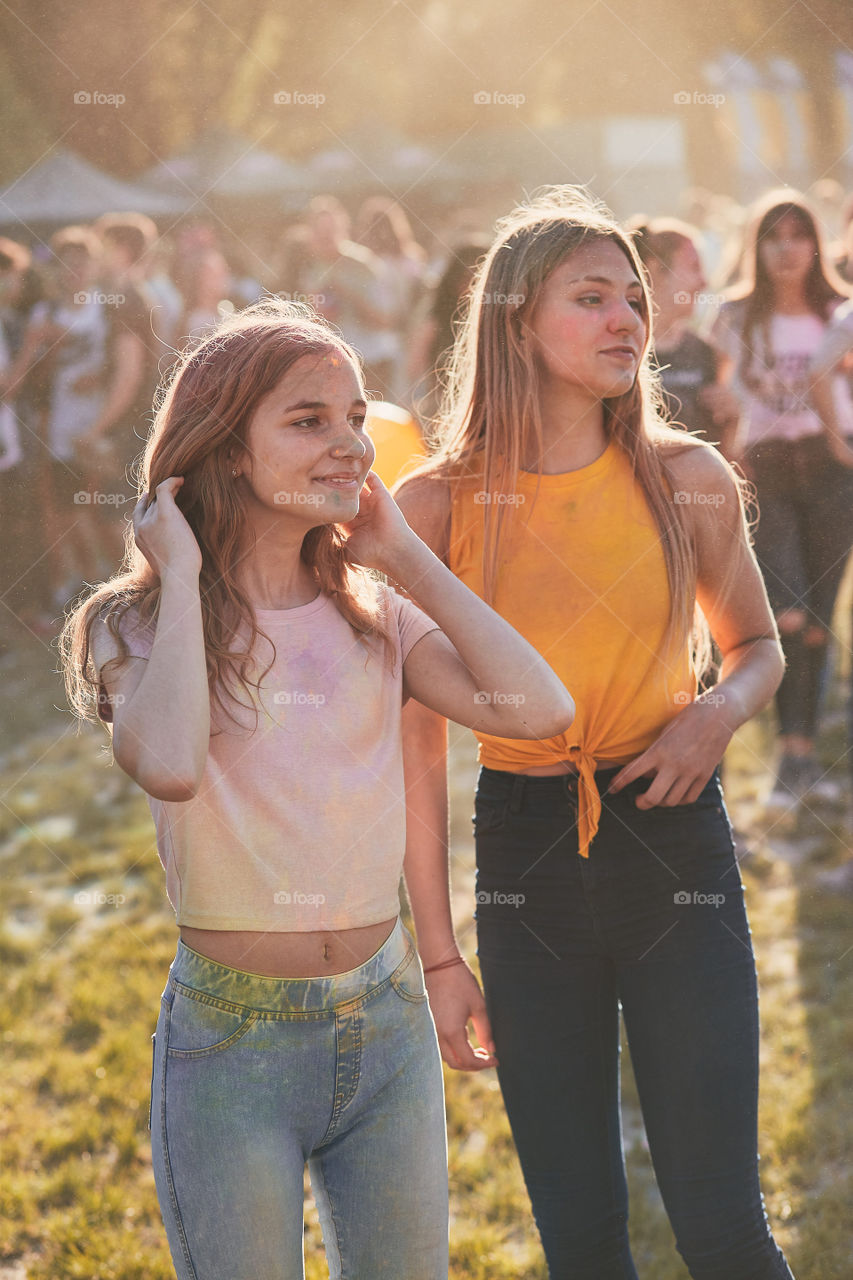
(516, 798)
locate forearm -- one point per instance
(162, 735)
(749, 677)
(426, 862)
(504, 666)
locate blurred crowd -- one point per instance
(752, 329)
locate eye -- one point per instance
(358, 420)
(637, 304)
(308, 423)
(593, 298)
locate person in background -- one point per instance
(434, 329)
(65, 346)
(844, 258)
(831, 361)
(770, 330)
(695, 397)
(344, 282)
(202, 279)
(131, 371)
(168, 303)
(23, 578)
(382, 227)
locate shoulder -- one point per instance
(425, 500)
(701, 478)
(359, 258)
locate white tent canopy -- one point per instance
(63, 188)
(225, 166)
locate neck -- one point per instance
(789, 299)
(572, 430)
(272, 573)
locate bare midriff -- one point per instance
(320, 954)
(566, 766)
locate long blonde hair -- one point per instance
(201, 423)
(490, 414)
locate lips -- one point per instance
(627, 352)
(341, 480)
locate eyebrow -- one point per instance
(320, 404)
(632, 284)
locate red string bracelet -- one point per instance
(445, 964)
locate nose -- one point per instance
(625, 317)
(353, 445)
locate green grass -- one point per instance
(81, 984)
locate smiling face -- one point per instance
(587, 328)
(307, 452)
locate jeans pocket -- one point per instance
(200, 1024)
(408, 979)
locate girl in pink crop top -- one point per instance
(253, 671)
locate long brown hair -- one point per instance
(822, 287)
(490, 416)
(200, 425)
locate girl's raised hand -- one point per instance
(379, 528)
(162, 533)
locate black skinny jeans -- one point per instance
(802, 541)
(653, 921)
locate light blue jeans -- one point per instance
(254, 1077)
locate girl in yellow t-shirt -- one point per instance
(606, 873)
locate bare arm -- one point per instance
(161, 705)
(731, 594)
(836, 346)
(455, 996)
(124, 386)
(454, 992)
(477, 670)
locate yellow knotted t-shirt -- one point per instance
(582, 577)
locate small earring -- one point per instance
(234, 472)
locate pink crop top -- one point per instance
(301, 824)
